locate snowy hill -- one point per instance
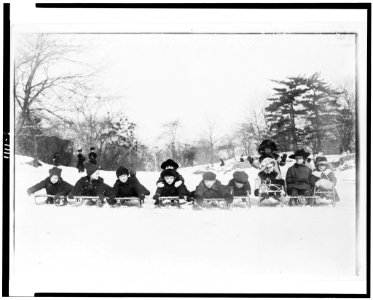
(127, 249)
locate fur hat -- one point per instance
(168, 172)
(209, 176)
(90, 168)
(321, 160)
(240, 177)
(300, 152)
(267, 144)
(55, 171)
(169, 162)
(122, 171)
(92, 148)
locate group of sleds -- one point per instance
(301, 186)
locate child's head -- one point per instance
(92, 170)
(267, 147)
(122, 174)
(240, 178)
(169, 176)
(321, 163)
(54, 174)
(92, 148)
(209, 179)
(169, 164)
(300, 156)
(268, 164)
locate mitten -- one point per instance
(160, 184)
(250, 159)
(178, 183)
(132, 173)
(283, 157)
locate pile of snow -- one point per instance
(128, 249)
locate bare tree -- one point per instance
(171, 131)
(212, 138)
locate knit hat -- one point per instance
(267, 144)
(168, 172)
(209, 176)
(90, 168)
(300, 152)
(169, 162)
(92, 148)
(321, 161)
(55, 171)
(240, 177)
(122, 171)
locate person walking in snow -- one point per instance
(54, 185)
(268, 149)
(81, 160)
(125, 186)
(92, 156)
(91, 185)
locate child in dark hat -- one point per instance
(268, 149)
(81, 160)
(298, 176)
(169, 164)
(210, 187)
(266, 177)
(126, 186)
(322, 177)
(170, 188)
(54, 185)
(91, 185)
(92, 156)
(240, 184)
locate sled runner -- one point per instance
(324, 197)
(80, 200)
(242, 199)
(44, 199)
(169, 200)
(127, 201)
(270, 195)
(302, 200)
(212, 202)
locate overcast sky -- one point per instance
(163, 77)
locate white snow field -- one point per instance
(159, 250)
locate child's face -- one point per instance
(95, 175)
(54, 179)
(169, 179)
(209, 183)
(269, 168)
(169, 167)
(123, 178)
(268, 150)
(239, 185)
(299, 160)
(322, 167)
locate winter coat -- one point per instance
(92, 156)
(216, 191)
(244, 191)
(298, 176)
(177, 178)
(272, 178)
(169, 190)
(85, 187)
(61, 187)
(130, 188)
(80, 165)
(328, 175)
(144, 190)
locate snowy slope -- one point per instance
(88, 249)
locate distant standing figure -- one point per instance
(92, 156)
(56, 159)
(81, 160)
(242, 159)
(222, 163)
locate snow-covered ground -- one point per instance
(128, 249)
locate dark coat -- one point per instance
(61, 187)
(177, 178)
(85, 187)
(328, 175)
(130, 188)
(298, 176)
(244, 191)
(144, 190)
(92, 156)
(81, 160)
(170, 190)
(216, 191)
(272, 178)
